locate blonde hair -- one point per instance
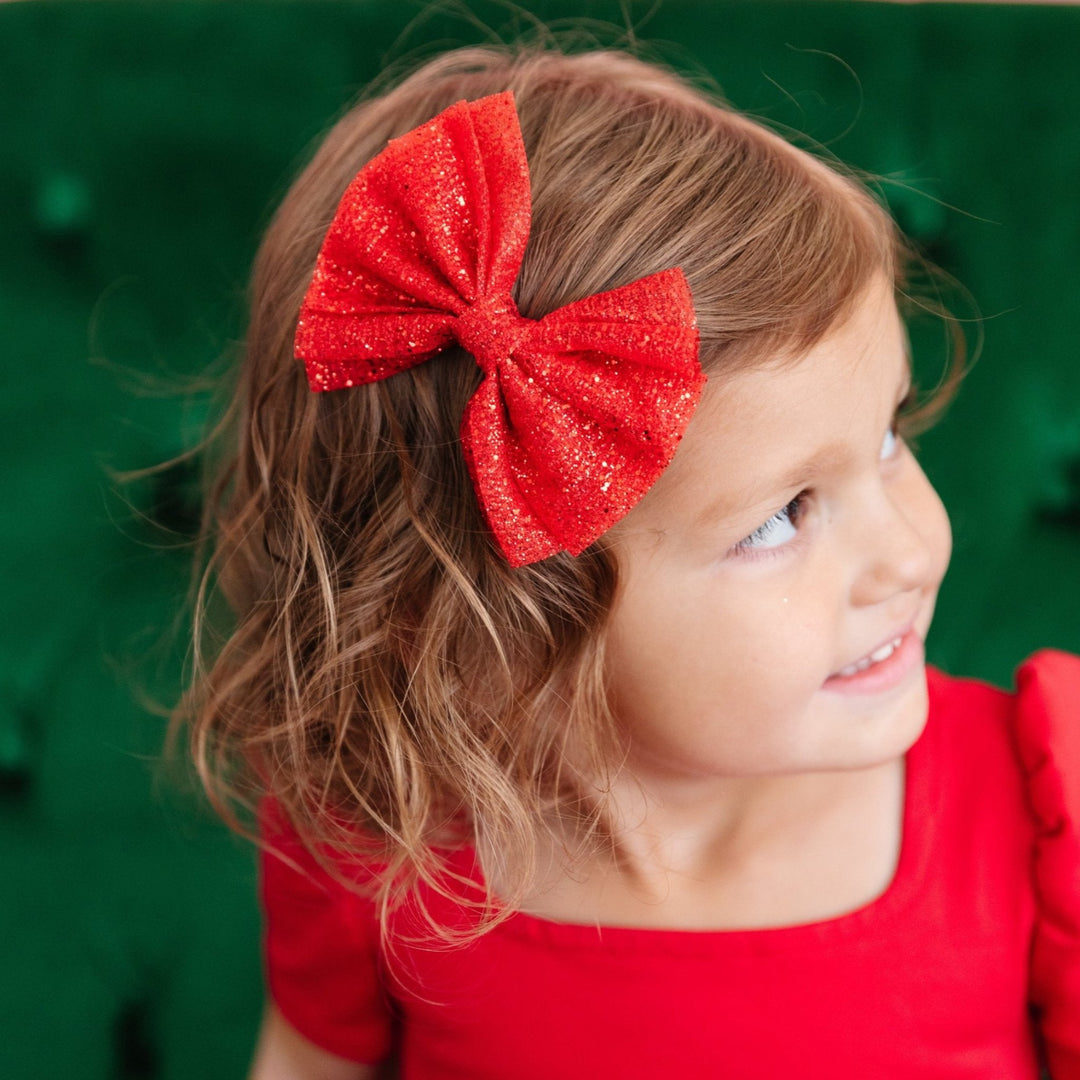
(388, 678)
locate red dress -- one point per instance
(967, 966)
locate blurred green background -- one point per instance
(143, 147)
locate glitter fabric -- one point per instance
(580, 411)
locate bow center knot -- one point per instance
(490, 329)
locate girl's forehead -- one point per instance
(867, 350)
(758, 429)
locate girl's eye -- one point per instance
(777, 531)
(893, 437)
(890, 444)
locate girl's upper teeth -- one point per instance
(875, 657)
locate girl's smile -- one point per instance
(882, 669)
(777, 584)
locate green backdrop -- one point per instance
(143, 146)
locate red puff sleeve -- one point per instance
(320, 949)
(1048, 735)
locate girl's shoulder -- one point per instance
(1028, 738)
(320, 935)
(997, 751)
(1037, 728)
(1046, 727)
(1047, 731)
(1039, 721)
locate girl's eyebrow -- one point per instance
(832, 455)
(828, 457)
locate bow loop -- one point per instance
(423, 251)
(490, 329)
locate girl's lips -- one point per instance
(880, 675)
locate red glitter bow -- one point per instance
(579, 412)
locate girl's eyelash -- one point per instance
(791, 514)
(900, 428)
(909, 405)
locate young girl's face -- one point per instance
(777, 583)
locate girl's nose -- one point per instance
(904, 543)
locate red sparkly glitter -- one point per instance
(579, 412)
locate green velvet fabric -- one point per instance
(143, 145)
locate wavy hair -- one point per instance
(382, 672)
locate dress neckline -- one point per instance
(883, 910)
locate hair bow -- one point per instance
(580, 411)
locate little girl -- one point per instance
(580, 576)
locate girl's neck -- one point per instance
(753, 853)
